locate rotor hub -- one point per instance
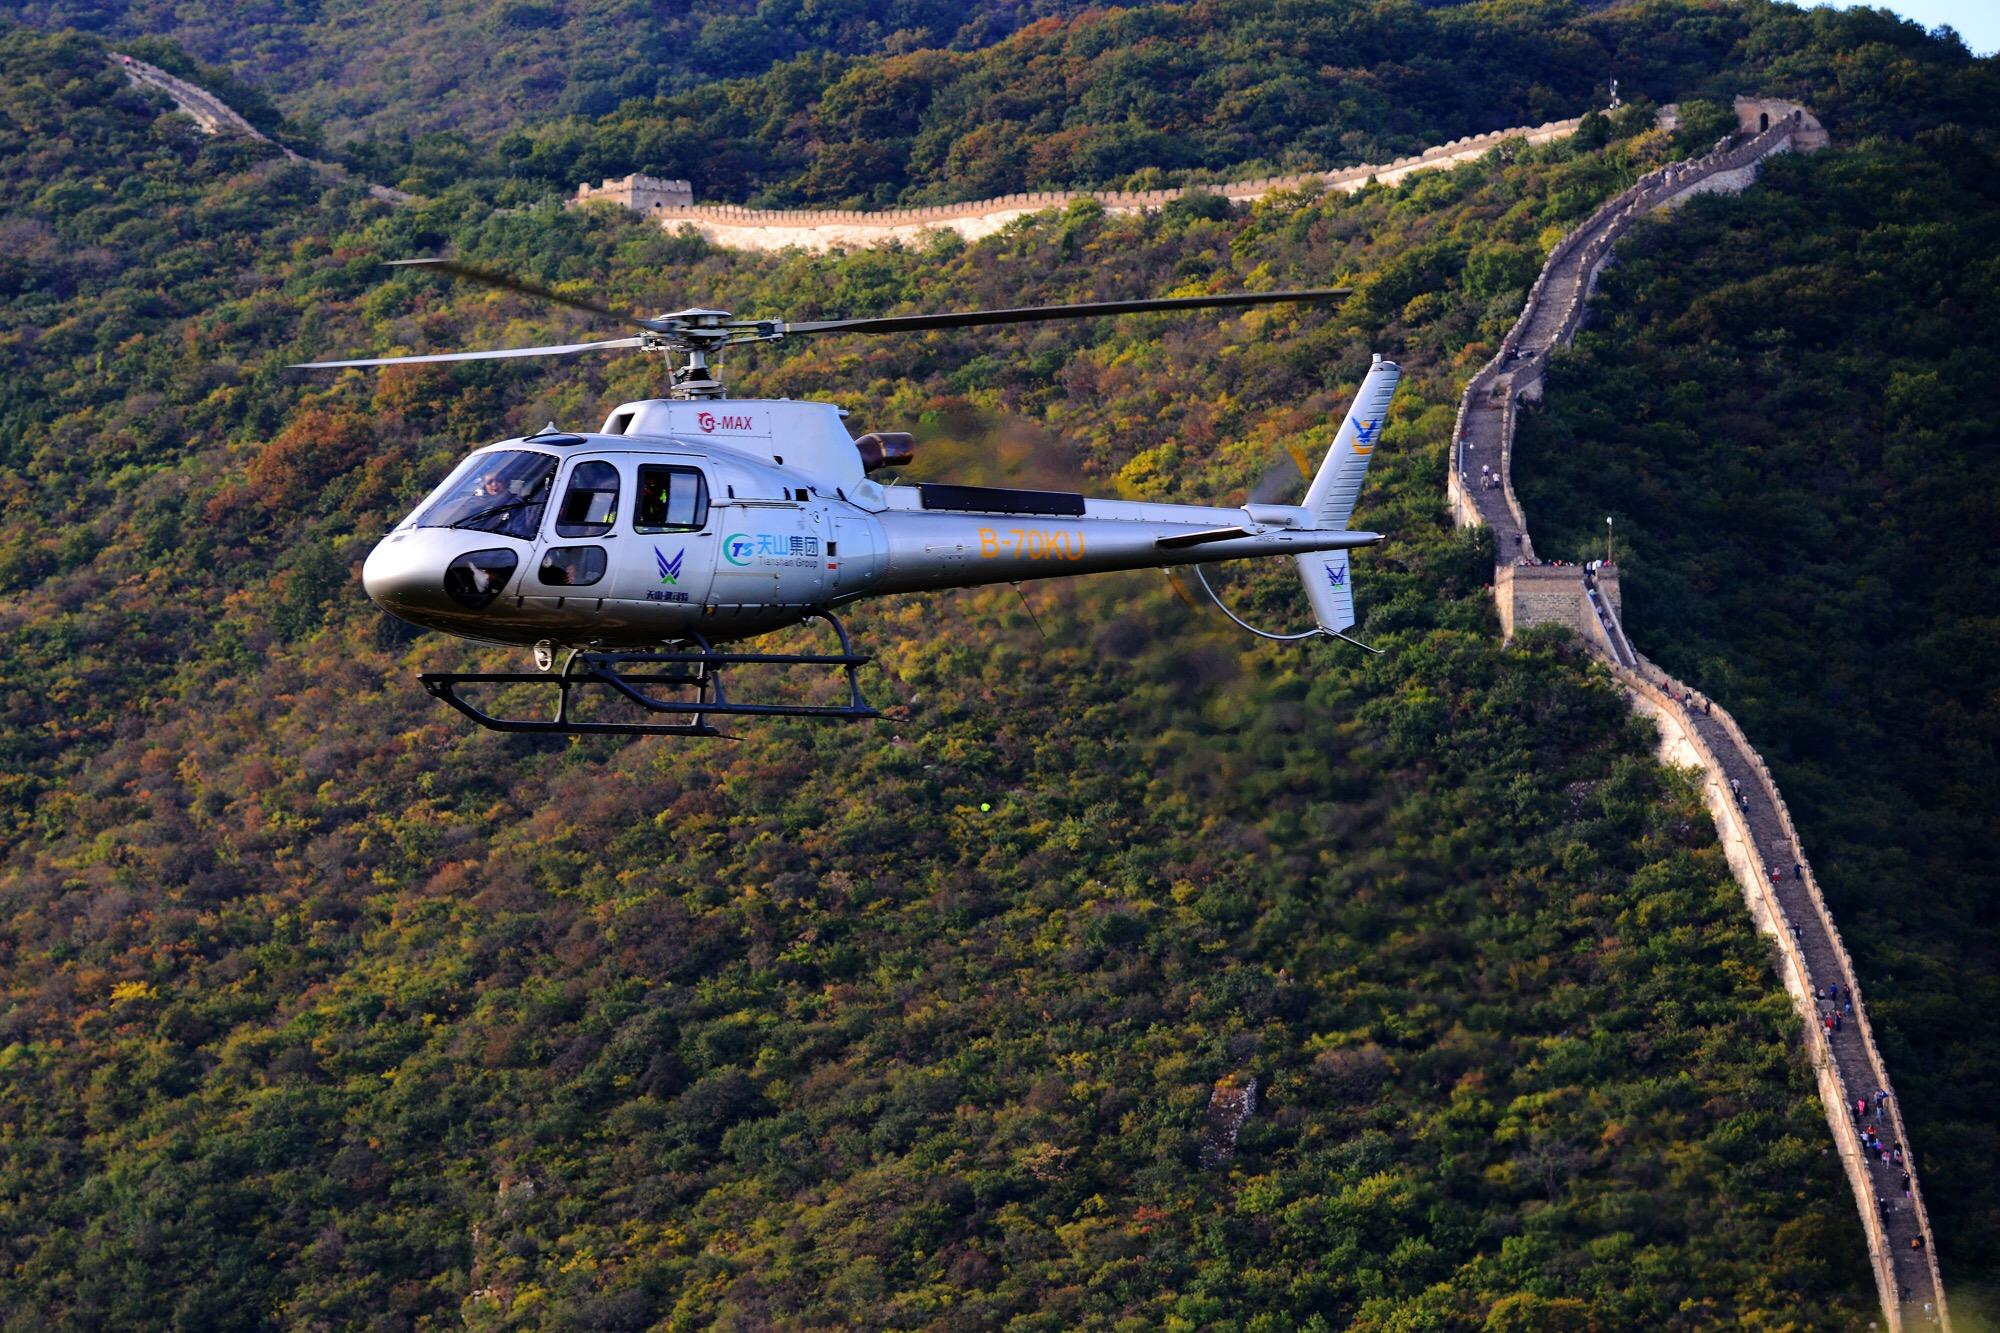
(695, 335)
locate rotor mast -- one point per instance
(687, 345)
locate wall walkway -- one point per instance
(215, 117)
(1756, 828)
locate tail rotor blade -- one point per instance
(1278, 478)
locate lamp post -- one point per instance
(1607, 540)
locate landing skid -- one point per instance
(697, 670)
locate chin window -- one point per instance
(477, 577)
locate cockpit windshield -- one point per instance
(502, 492)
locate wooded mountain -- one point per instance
(477, 67)
(318, 1007)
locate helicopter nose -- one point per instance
(402, 578)
(427, 577)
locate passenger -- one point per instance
(559, 569)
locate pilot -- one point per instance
(492, 485)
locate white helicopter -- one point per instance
(697, 520)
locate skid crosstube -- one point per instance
(698, 669)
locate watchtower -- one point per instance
(641, 194)
(1757, 114)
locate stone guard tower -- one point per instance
(641, 194)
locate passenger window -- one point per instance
(671, 499)
(571, 566)
(590, 505)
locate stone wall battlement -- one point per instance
(822, 228)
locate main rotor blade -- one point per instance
(1024, 314)
(565, 349)
(506, 283)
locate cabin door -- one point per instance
(670, 555)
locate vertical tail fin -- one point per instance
(1330, 500)
(1328, 589)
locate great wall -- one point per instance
(825, 228)
(1756, 829)
(1752, 820)
(212, 116)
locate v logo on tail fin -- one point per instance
(1330, 501)
(1328, 589)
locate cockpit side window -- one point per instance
(504, 492)
(671, 499)
(590, 505)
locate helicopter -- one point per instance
(637, 552)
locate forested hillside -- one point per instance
(481, 67)
(865, 103)
(1145, 96)
(320, 1006)
(1787, 401)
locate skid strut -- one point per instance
(696, 669)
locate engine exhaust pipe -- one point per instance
(886, 448)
